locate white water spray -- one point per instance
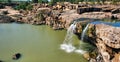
(68, 43)
(82, 39)
(84, 32)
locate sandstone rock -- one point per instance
(6, 19)
(118, 16)
(117, 58)
(92, 60)
(86, 56)
(106, 38)
(109, 35)
(88, 9)
(4, 12)
(68, 16)
(44, 10)
(117, 10)
(107, 9)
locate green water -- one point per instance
(35, 43)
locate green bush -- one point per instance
(29, 7)
(24, 6)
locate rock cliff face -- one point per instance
(56, 17)
(105, 37)
(107, 40)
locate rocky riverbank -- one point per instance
(105, 36)
(60, 16)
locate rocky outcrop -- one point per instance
(68, 16)
(116, 10)
(106, 38)
(88, 9)
(6, 19)
(57, 19)
(99, 11)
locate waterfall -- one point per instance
(68, 43)
(84, 32)
(82, 39)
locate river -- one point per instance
(35, 43)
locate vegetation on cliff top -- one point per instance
(54, 1)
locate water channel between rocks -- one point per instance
(35, 43)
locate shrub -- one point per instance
(29, 7)
(24, 6)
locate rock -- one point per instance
(68, 16)
(2, 6)
(106, 38)
(49, 21)
(4, 12)
(44, 10)
(6, 19)
(118, 16)
(1, 61)
(99, 58)
(117, 58)
(109, 35)
(117, 10)
(107, 9)
(114, 16)
(16, 56)
(92, 60)
(88, 9)
(81, 23)
(37, 16)
(86, 56)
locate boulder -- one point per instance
(16, 56)
(1, 61)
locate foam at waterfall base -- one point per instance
(80, 51)
(67, 47)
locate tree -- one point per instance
(35, 1)
(9, 1)
(40, 1)
(45, 1)
(52, 2)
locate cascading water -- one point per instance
(68, 43)
(84, 32)
(82, 39)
